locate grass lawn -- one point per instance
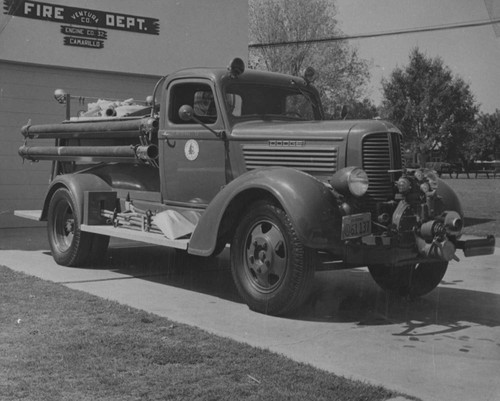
(61, 344)
(480, 200)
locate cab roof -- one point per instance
(221, 75)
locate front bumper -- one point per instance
(376, 250)
(477, 247)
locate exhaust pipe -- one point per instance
(110, 111)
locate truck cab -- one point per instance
(205, 153)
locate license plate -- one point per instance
(356, 225)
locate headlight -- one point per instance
(350, 180)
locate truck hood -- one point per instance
(308, 129)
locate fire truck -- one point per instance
(247, 158)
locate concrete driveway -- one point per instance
(445, 346)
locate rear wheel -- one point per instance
(271, 268)
(412, 280)
(69, 245)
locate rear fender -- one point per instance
(310, 205)
(77, 184)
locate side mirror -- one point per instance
(186, 113)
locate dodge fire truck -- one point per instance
(246, 158)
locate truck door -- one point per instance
(192, 158)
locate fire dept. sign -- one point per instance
(91, 20)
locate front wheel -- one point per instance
(69, 245)
(272, 270)
(413, 280)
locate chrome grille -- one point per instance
(319, 160)
(381, 156)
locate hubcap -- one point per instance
(265, 256)
(64, 228)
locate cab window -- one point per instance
(260, 101)
(199, 96)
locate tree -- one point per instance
(364, 109)
(484, 144)
(435, 110)
(342, 74)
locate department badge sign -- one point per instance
(81, 26)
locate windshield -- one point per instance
(250, 100)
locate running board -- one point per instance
(136, 235)
(29, 214)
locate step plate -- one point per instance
(29, 214)
(136, 235)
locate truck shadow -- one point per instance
(352, 296)
(349, 296)
(176, 268)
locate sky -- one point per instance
(471, 53)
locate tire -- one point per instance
(272, 270)
(69, 245)
(412, 280)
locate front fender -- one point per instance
(449, 198)
(310, 205)
(77, 184)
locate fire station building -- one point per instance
(104, 50)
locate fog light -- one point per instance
(384, 218)
(403, 185)
(345, 209)
(419, 174)
(425, 187)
